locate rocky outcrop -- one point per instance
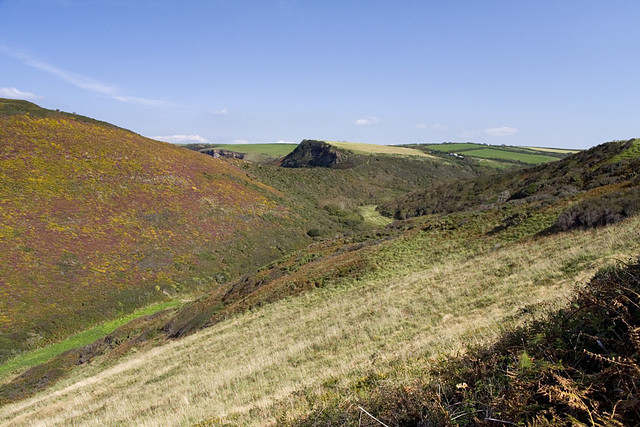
(312, 153)
(216, 152)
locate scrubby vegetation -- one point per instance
(325, 327)
(600, 211)
(96, 221)
(367, 180)
(313, 309)
(600, 168)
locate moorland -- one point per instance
(324, 283)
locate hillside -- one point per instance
(96, 221)
(333, 184)
(609, 168)
(340, 181)
(355, 321)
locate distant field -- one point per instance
(449, 148)
(359, 147)
(494, 153)
(553, 150)
(527, 155)
(257, 152)
(273, 150)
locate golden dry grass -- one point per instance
(362, 148)
(553, 150)
(259, 365)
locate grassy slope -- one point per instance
(577, 366)
(429, 291)
(96, 221)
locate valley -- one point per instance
(299, 285)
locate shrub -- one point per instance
(314, 232)
(604, 210)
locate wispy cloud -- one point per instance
(181, 139)
(13, 93)
(501, 131)
(78, 80)
(221, 112)
(367, 121)
(421, 126)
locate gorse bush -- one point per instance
(596, 212)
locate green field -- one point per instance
(273, 150)
(453, 147)
(499, 154)
(502, 153)
(258, 152)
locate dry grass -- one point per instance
(553, 150)
(362, 148)
(260, 365)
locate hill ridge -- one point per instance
(112, 221)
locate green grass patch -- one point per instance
(41, 355)
(373, 217)
(272, 150)
(453, 147)
(630, 153)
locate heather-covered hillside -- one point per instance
(96, 220)
(595, 173)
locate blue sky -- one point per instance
(545, 73)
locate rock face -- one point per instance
(216, 152)
(312, 153)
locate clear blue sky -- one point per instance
(546, 73)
